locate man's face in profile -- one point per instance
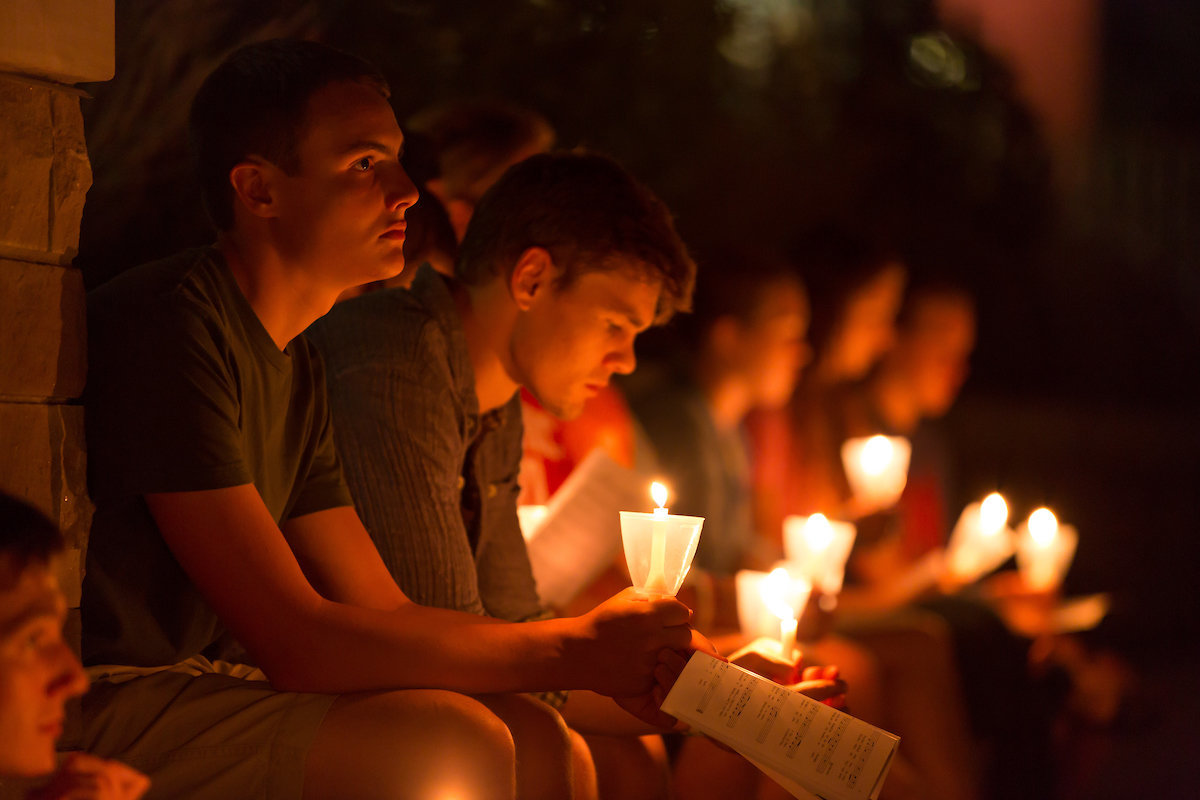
(342, 210)
(38, 670)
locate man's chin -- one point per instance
(562, 409)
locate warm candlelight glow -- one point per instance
(993, 514)
(1043, 526)
(816, 549)
(659, 493)
(774, 590)
(782, 595)
(877, 469)
(1045, 549)
(818, 533)
(876, 455)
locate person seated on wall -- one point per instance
(39, 672)
(566, 261)
(244, 636)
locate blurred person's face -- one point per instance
(772, 348)
(934, 352)
(38, 671)
(867, 326)
(342, 212)
(567, 342)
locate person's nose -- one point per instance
(623, 361)
(401, 192)
(70, 680)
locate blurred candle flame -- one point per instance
(993, 514)
(876, 455)
(659, 493)
(1043, 526)
(774, 590)
(818, 533)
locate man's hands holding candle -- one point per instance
(617, 649)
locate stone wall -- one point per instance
(46, 46)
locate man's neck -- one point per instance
(284, 302)
(487, 330)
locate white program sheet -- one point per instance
(809, 747)
(581, 533)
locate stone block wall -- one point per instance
(46, 46)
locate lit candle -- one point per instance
(657, 579)
(993, 514)
(817, 548)
(877, 469)
(1044, 550)
(781, 594)
(980, 540)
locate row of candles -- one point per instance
(659, 546)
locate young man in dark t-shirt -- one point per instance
(223, 520)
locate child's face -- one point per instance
(38, 671)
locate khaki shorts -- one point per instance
(203, 730)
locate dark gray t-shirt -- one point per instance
(186, 392)
(434, 481)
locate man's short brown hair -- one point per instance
(27, 537)
(589, 213)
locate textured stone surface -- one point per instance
(44, 170)
(43, 339)
(26, 155)
(65, 40)
(70, 175)
(42, 459)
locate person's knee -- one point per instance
(425, 743)
(544, 750)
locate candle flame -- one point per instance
(659, 493)
(1043, 526)
(782, 594)
(993, 514)
(876, 455)
(818, 533)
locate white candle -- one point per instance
(657, 580)
(817, 548)
(781, 594)
(787, 636)
(1044, 550)
(877, 469)
(981, 541)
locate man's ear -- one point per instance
(253, 182)
(531, 276)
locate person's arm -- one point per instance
(227, 542)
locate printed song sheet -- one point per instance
(810, 748)
(581, 533)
